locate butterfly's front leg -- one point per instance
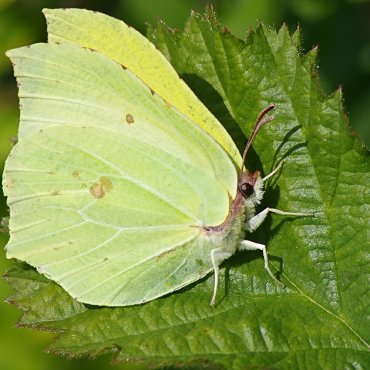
(218, 255)
(254, 222)
(248, 245)
(272, 173)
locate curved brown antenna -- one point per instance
(260, 122)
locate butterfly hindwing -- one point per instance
(109, 185)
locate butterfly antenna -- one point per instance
(260, 122)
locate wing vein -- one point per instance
(136, 264)
(137, 182)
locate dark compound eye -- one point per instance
(246, 189)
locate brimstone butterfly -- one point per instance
(122, 187)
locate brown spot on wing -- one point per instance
(100, 188)
(130, 118)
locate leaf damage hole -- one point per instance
(130, 118)
(99, 189)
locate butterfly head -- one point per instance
(251, 187)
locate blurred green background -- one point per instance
(341, 28)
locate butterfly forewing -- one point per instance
(128, 47)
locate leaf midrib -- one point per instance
(325, 206)
(340, 319)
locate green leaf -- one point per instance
(319, 319)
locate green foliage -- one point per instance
(318, 320)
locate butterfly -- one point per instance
(122, 187)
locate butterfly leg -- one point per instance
(253, 223)
(218, 255)
(272, 173)
(248, 245)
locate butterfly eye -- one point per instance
(246, 189)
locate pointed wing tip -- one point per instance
(16, 52)
(13, 53)
(48, 11)
(8, 53)
(9, 252)
(51, 11)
